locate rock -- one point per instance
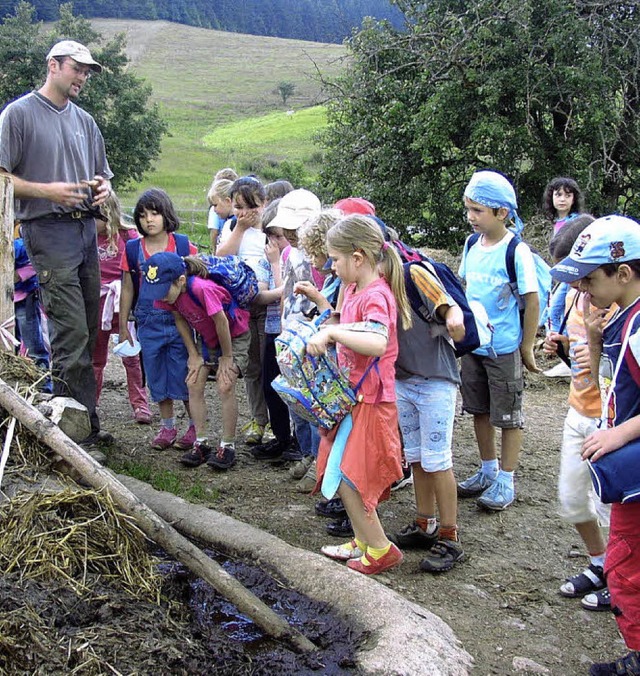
(70, 416)
(529, 666)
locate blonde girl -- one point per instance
(219, 198)
(362, 457)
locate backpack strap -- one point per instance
(632, 364)
(133, 251)
(510, 262)
(182, 244)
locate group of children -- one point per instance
(306, 260)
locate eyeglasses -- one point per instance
(79, 70)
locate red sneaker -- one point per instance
(142, 416)
(164, 438)
(187, 440)
(391, 559)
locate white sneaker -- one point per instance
(560, 370)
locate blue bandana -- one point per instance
(493, 190)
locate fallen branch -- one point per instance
(150, 523)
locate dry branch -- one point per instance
(150, 523)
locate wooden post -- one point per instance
(6, 256)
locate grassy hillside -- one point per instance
(209, 84)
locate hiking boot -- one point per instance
(187, 440)
(142, 416)
(413, 537)
(270, 451)
(308, 481)
(391, 559)
(165, 438)
(300, 468)
(331, 508)
(341, 528)
(497, 497)
(442, 557)
(591, 579)
(197, 455)
(252, 433)
(292, 453)
(407, 480)
(629, 665)
(268, 434)
(475, 485)
(598, 601)
(223, 458)
(342, 552)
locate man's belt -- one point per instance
(68, 216)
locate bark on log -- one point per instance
(6, 254)
(150, 523)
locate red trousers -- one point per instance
(622, 569)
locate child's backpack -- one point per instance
(135, 258)
(478, 329)
(543, 275)
(316, 388)
(234, 275)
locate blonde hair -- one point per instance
(227, 173)
(359, 233)
(220, 188)
(312, 236)
(111, 213)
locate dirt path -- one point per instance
(502, 602)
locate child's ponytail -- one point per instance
(393, 272)
(196, 267)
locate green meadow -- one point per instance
(216, 92)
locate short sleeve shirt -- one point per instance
(212, 298)
(375, 303)
(485, 271)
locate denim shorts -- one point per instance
(426, 411)
(494, 386)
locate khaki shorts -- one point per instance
(494, 386)
(240, 347)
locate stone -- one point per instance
(70, 416)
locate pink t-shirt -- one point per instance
(109, 259)
(213, 298)
(375, 303)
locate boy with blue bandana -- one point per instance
(492, 385)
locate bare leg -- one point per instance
(366, 527)
(443, 486)
(229, 406)
(166, 408)
(511, 444)
(485, 436)
(591, 535)
(197, 406)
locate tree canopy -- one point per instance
(316, 20)
(530, 88)
(118, 100)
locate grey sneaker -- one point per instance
(299, 469)
(413, 537)
(308, 481)
(497, 497)
(442, 557)
(475, 485)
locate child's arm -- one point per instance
(268, 296)
(309, 290)
(126, 301)
(594, 320)
(363, 342)
(195, 361)
(226, 367)
(602, 442)
(529, 330)
(454, 320)
(231, 246)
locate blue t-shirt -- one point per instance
(624, 402)
(484, 270)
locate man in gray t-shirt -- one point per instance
(55, 154)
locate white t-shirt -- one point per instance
(251, 249)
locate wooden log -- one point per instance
(150, 523)
(6, 257)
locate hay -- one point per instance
(74, 536)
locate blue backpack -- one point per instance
(543, 275)
(135, 258)
(234, 275)
(478, 330)
(316, 388)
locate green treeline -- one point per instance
(316, 20)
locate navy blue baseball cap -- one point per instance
(158, 274)
(610, 239)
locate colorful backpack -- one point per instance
(234, 275)
(316, 388)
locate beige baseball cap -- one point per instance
(76, 51)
